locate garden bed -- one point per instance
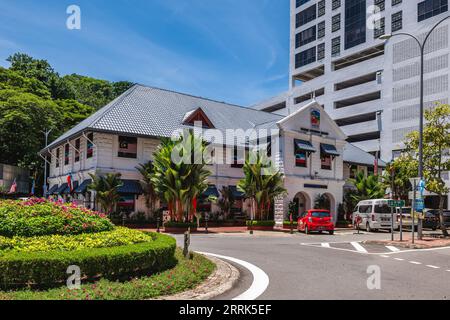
(261, 225)
(186, 275)
(178, 227)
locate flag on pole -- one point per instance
(13, 187)
(70, 182)
(33, 187)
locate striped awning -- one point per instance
(130, 187)
(82, 188)
(329, 149)
(53, 189)
(236, 193)
(62, 189)
(303, 145)
(211, 191)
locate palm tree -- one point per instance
(322, 201)
(147, 171)
(261, 184)
(227, 200)
(179, 182)
(366, 188)
(107, 190)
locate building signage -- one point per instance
(315, 119)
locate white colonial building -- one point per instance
(312, 150)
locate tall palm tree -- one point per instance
(147, 171)
(226, 201)
(107, 190)
(179, 182)
(367, 188)
(261, 184)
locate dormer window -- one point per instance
(198, 116)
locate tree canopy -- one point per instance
(34, 97)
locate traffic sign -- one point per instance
(396, 203)
(419, 205)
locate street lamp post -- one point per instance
(422, 46)
(46, 133)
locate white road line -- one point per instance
(399, 259)
(393, 249)
(433, 267)
(358, 247)
(384, 256)
(326, 245)
(260, 278)
(415, 262)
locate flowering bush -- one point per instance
(40, 217)
(118, 237)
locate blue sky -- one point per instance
(230, 50)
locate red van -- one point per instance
(316, 220)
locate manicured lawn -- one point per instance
(186, 275)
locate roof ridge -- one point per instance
(203, 98)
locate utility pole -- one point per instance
(46, 133)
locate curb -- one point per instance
(220, 281)
(406, 245)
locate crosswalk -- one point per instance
(356, 247)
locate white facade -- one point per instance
(304, 183)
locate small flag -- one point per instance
(13, 187)
(70, 182)
(33, 187)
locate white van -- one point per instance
(375, 215)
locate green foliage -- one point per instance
(436, 152)
(397, 175)
(117, 237)
(261, 183)
(322, 201)
(181, 225)
(226, 201)
(147, 171)
(38, 217)
(187, 274)
(179, 182)
(107, 190)
(366, 187)
(261, 223)
(48, 269)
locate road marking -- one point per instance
(393, 249)
(399, 259)
(326, 245)
(415, 262)
(433, 267)
(384, 256)
(260, 278)
(358, 247)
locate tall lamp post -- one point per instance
(422, 46)
(46, 133)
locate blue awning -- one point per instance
(329, 149)
(53, 190)
(236, 193)
(303, 145)
(62, 189)
(67, 190)
(82, 188)
(211, 191)
(130, 187)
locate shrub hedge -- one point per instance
(181, 225)
(261, 223)
(48, 269)
(118, 237)
(39, 217)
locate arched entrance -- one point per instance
(302, 202)
(325, 201)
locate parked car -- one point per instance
(432, 219)
(316, 220)
(374, 215)
(406, 217)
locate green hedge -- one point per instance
(261, 223)
(180, 225)
(48, 269)
(40, 217)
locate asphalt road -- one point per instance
(302, 267)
